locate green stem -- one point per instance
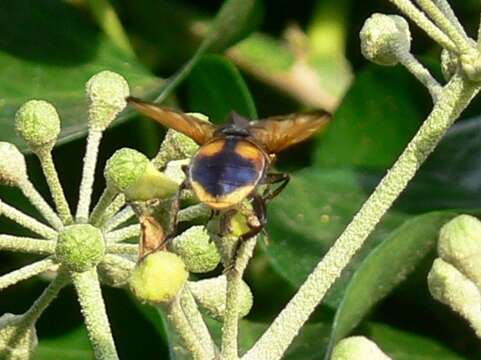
(123, 249)
(445, 25)
(103, 204)
(447, 10)
(42, 206)
(90, 298)
(27, 245)
(177, 318)
(197, 323)
(118, 217)
(53, 181)
(424, 23)
(229, 348)
(27, 272)
(86, 185)
(26, 221)
(453, 100)
(123, 233)
(110, 23)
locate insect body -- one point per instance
(235, 158)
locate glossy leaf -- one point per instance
(386, 267)
(73, 345)
(51, 60)
(404, 345)
(215, 88)
(235, 20)
(379, 115)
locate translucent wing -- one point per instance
(280, 132)
(198, 130)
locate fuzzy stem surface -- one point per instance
(90, 298)
(27, 272)
(27, 245)
(53, 181)
(103, 204)
(86, 185)
(453, 100)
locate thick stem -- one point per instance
(27, 272)
(27, 245)
(177, 318)
(445, 25)
(39, 202)
(53, 181)
(86, 186)
(229, 348)
(91, 301)
(197, 323)
(103, 204)
(453, 100)
(424, 23)
(26, 221)
(421, 73)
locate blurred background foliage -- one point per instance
(260, 58)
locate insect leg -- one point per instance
(275, 178)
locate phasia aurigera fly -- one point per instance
(235, 158)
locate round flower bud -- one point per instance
(107, 92)
(80, 247)
(130, 172)
(384, 37)
(159, 277)
(13, 168)
(358, 348)
(210, 294)
(460, 245)
(197, 250)
(37, 122)
(13, 345)
(449, 64)
(450, 287)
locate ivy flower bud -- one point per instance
(449, 286)
(130, 172)
(384, 38)
(38, 123)
(80, 247)
(13, 345)
(13, 169)
(460, 245)
(106, 92)
(210, 294)
(159, 277)
(357, 348)
(197, 250)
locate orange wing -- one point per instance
(198, 130)
(280, 132)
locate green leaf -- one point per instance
(234, 21)
(72, 345)
(215, 88)
(378, 116)
(403, 345)
(385, 268)
(45, 59)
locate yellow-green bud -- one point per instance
(107, 92)
(13, 169)
(210, 294)
(80, 247)
(358, 348)
(130, 172)
(449, 286)
(449, 64)
(384, 37)
(38, 123)
(197, 250)
(460, 245)
(13, 346)
(159, 277)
